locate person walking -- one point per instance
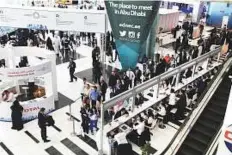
(85, 121)
(93, 121)
(93, 96)
(16, 116)
(42, 122)
(72, 67)
(103, 87)
(130, 74)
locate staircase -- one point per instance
(209, 123)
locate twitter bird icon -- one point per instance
(122, 33)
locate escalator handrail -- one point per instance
(188, 117)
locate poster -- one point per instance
(30, 108)
(25, 72)
(53, 19)
(131, 22)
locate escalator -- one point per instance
(209, 123)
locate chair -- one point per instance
(161, 122)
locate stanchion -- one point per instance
(73, 133)
(70, 112)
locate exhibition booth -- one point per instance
(29, 75)
(168, 19)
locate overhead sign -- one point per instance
(25, 72)
(131, 22)
(53, 19)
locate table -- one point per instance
(25, 88)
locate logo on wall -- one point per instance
(228, 138)
(36, 15)
(122, 33)
(88, 22)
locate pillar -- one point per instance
(151, 39)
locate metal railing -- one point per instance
(150, 83)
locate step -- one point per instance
(200, 137)
(204, 130)
(212, 116)
(222, 93)
(192, 143)
(209, 123)
(219, 105)
(217, 98)
(186, 150)
(215, 111)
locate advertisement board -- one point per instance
(30, 108)
(25, 72)
(53, 19)
(131, 22)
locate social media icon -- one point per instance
(122, 33)
(131, 34)
(138, 35)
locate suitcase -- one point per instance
(50, 121)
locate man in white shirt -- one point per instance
(83, 89)
(172, 100)
(200, 48)
(139, 127)
(130, 74)
(57, 44)
(121, 138)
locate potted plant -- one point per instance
(145, 149)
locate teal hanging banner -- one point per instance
(131, 22)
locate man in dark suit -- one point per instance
(72, 67)
(112, 81)
(103, 87)
(138, 75)
(42, 122)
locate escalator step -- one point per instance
(220, 99)
(216, 111)
(200, 137)
(204, 130)
(219, 105)
(194, 144)
(212, 116)
(222, 93)
(208, 124)
(186, 150)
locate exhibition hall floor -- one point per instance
(28, 141)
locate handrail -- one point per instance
(150, 83)
(187, 119)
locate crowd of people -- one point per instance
(174, 107)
